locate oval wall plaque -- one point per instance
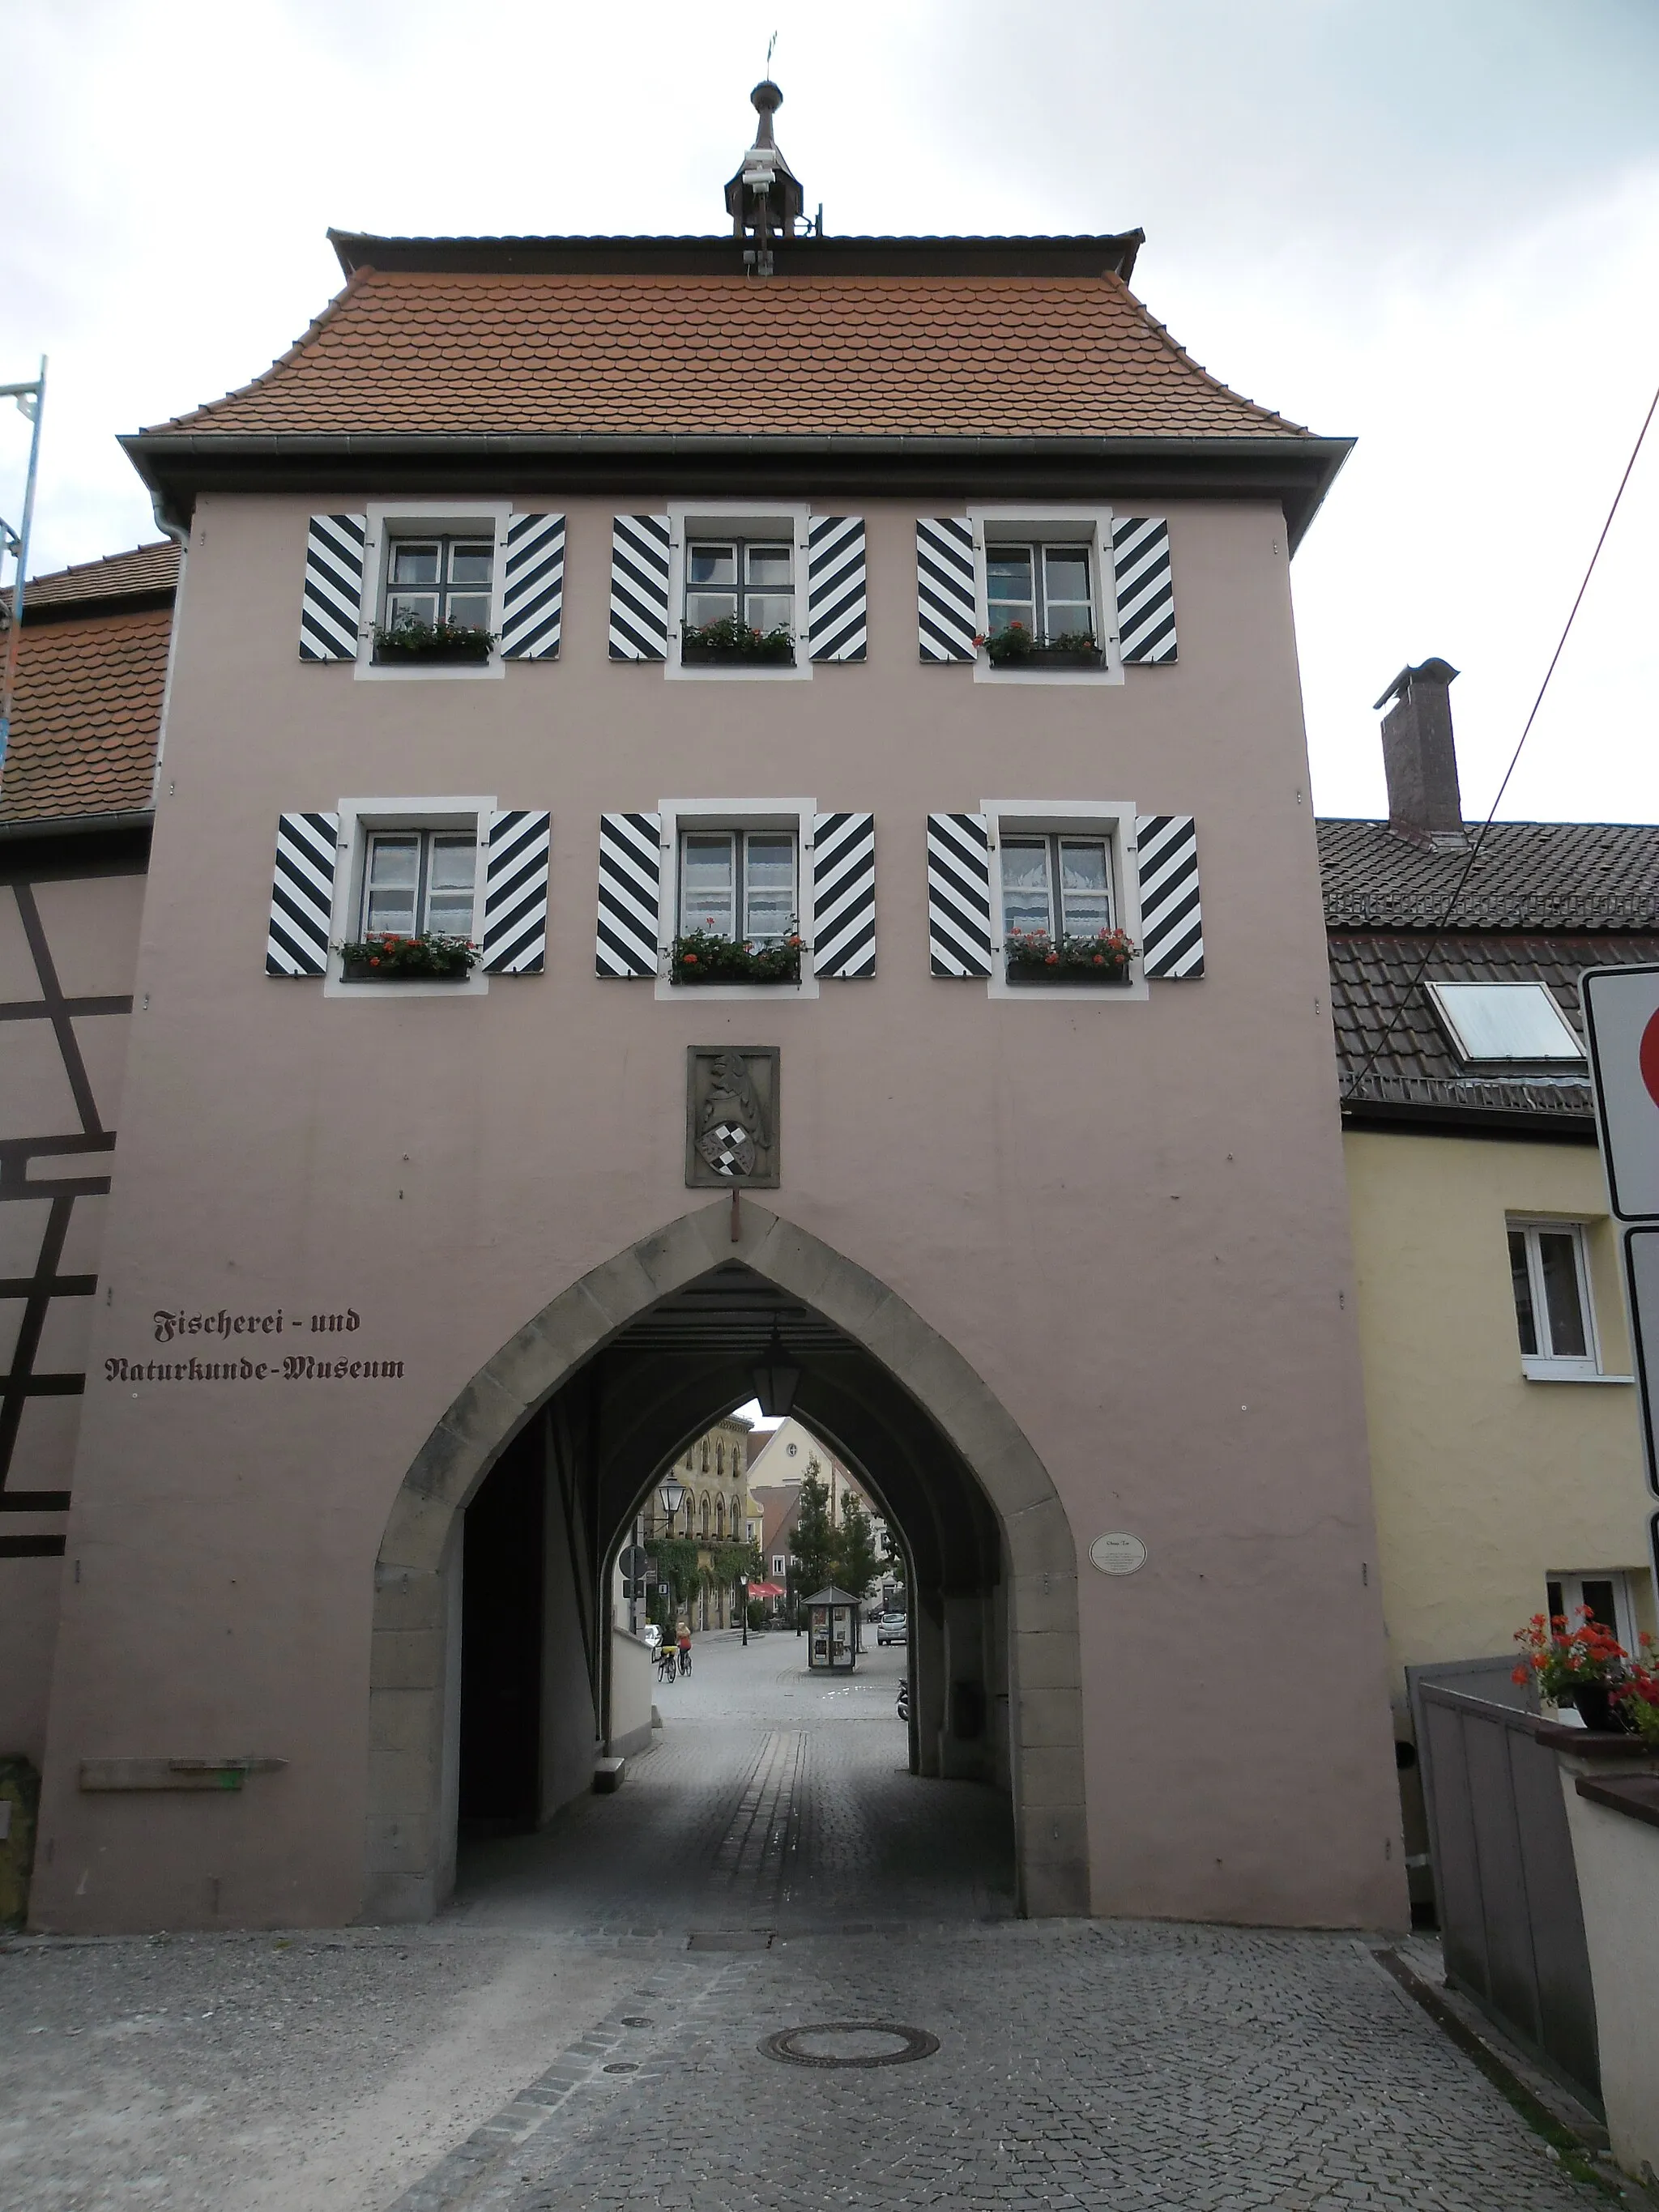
(1118, 1554)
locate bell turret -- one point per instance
(764, 199)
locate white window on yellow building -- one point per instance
(1606, 1595)
(1553, 1312)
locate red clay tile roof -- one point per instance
(147, 568)
(86, 712)
(442, 352)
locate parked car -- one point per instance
(893, 1628)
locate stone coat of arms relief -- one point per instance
(732, 1116)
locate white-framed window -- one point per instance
(448, 577)
(732, 561)
(408, 866)
(1056, 882)
(742, 883)
(420, 883)
(1064, 865)
(1050, 571)
(1550, 1279)
(780, 1563)
(744, 868)
(1517, 1021)
(1605, 1591)
(747, 580)
(435, 560)
(1046, 587)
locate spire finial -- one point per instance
(766, 99)
(764, 200)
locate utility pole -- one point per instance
(31, 403)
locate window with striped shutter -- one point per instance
(631, 893)
(514, 939)
(332, 603)
(639, 587)
(302, 894)
(1171, 920)
(946, 622)
(533, 587)
(844, 896)
(837, 596)
(958, 895)
(1145, 588)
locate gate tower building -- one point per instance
(728, 805)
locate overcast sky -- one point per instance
(1431, 224)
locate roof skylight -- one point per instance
(1505, 1021)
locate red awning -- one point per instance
(766, 1590)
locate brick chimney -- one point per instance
(1420, 758)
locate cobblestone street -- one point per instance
(583, 2026)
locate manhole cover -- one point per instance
(851, 2042)
(634, 2020)
(729, 1939)
(623, 2066)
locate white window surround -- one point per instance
(1113, 819)
(1089, 526)
(682, 814)
(1538, 1367)
(358, 816)
(407, 519)
(688, 519)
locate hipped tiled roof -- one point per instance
(1529, 876)
(89, 684)
(483, 352)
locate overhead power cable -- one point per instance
(1445, 922)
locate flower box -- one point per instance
(1038, 973)
(703, 956)
(732, 643)
(433, 644)
(1034, 957)
(1018, 648)
(408, 960)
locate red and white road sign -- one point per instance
(1621, 1014)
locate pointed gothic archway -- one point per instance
(413, 1717)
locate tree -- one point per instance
(857, 1563)
(812, 1538)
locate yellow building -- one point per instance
(1502, 1415)
(717, 1510)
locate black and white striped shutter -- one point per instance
(1172, 922)
(844, 896)
(1146, 589)
(533, 587)
(514, 938)
(835, 594)
(958, 895)
(332, 605)
(302, 894)
(630, 891)
(639, 587)
(946, 622)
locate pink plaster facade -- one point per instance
(1128, 1216)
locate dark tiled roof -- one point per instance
(146, 569)
(433, 351)
(1552, 876)
(1372, 975)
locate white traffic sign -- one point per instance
(1621, 1015)
(1642, 1290)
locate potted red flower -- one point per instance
(381, 957)
(1577, 1662)
(1037, 956)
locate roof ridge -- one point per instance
(1189, 360)
(284, 361)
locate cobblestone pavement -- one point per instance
(582, 2028)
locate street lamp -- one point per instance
(776, 1379)
(671, 1492)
